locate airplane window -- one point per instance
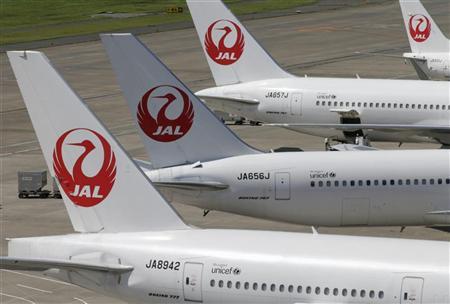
(381, 295)
(444, 107)
(329, 103)
(365, 105)
(353, 293)
(336, 183)
(372, 294)
(431, 107)
(308, 289)
(255, 286)
(440, 181)
(272, 287)
(323, 103)
(229, 284)
(413, 106)
(341, 104)
(264, 286)
(359, 104)
(431, 181)
(317, 290)
(328, 183)
(401, 106)
(425, 107)
(384, 182)
(347, 104)
(313, 183)
(335, 292)
(362, 293)
(353, 104)
(220, 283)
(368, 182)
(416, 181)
(212, 283)
(344, 292)
(360, 183)
(395, 106)
(400, 182)
(371, 104)
(408, 182)
(299, 289)
(352, 183)
(320, 183)
(437, 107)
(377, 105)
(447, 181)
(383, 105)
(407, 105)
(389, 105)
(326, 291)
(317, 103)
(375, 182)
(246, 285)
(419, 106)
(392, 182)
(238, 285)
(424, 181)
(291, 288)
(344, 183)
(335, 103)
(281, 288)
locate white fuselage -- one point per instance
(323, 188)
(232, 266)
(434, 65)
(330, 100)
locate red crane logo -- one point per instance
(419, 28)
(220, 52)
(162, 128)
(83, 190)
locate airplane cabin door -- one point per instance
(282, 186)
(412, 288)
(296, 104)
(192, 282)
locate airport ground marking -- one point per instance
(34, 288)
(16, 297)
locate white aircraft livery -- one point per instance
(201, 162)
(133, 246)
(430, 49)
(251, 84)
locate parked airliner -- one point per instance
(135, 247)
(201, 162)
(251, 84)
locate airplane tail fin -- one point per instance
(175, 126)
(102, 188)
(423, 33)
(233, 55)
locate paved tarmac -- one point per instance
(319, 44)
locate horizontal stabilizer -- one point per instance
(230, 99)
(192, 185)
(12, 263)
